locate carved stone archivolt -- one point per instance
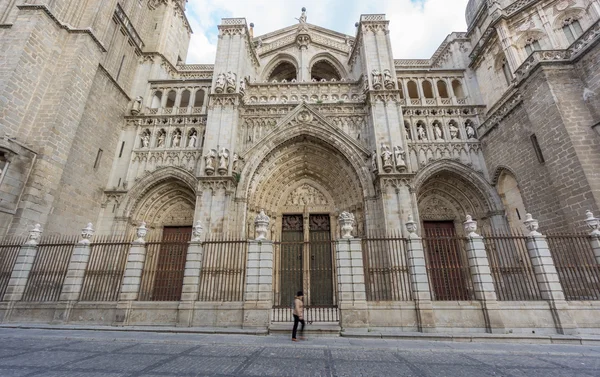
(306, 195)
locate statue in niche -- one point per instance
(160, 141)
(407, 132)
(421, 133)
(220, 83)
(386, 158)
(230, 79)
(453, 132)
(437, 130)
(302, 19)
(387, 79)
(399, 154)
(145, 139)
(374, 161)
(192, 140)
(137, 105)
(223, 161)
(176, 139)
(242, 86)
(236, 164)
(209, 162)
(377, 84)
(365, 83)
(470, 131)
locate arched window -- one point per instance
(458, 89)
(511, 198)
(283, 71)
(572, 29)
(156, 100)
(427, 89)
(185, 99)
(442, 89)
(532, 45)
(171, 99)
(413, 92)
(324, 70)
(199, 99)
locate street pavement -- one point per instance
(84, 353)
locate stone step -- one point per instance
(316, 329)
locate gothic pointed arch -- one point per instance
(282, 66)
(325, 66)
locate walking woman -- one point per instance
(298, 316)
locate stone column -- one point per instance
(419, 281)
(191, 277)
(132, 278)
(352, 296)
(547, 277)
(73, 284)
(23, 265)
(594, 224)
(258, 293)
(482, 278)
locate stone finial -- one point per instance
(261, 225)
(532, 225)
(593, 223)
(346, 220)
(34, 235)
(411, 226)
(86, 234)
(471, 227)
(141, 233)
(197, 231)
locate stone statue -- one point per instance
(236, 163)
(439, 135)
(303, 17)
(209, 162)
(377, 84)
(421, 133)
(453, 132)
(399, 154)
(259, 43)
(220, 83)
(176, 139)
(386, 158)
(230, 79)
(223, 161)
(145, 140)
(160, 142)
(470, 130)
(365, 83)
(374, 161)
(242, 86)
(407, 132)
(192, 140)
(137, 105)
(388, 83)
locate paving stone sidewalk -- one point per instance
(85, 353)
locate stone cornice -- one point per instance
(112, 79)
(69, 29)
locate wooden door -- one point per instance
(290, 270)
(170, 266)
(321, 265)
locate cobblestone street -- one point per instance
(67, 353)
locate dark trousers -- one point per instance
(296, 320)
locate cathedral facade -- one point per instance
(103, 122)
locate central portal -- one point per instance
(306, 260)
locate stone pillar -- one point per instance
(594, 224)
(132, 278)
(352, 296)
(482, 278)
(547, 278)
(419, 281)
(191, 277)
(258, 293)
(77, 265)
(23, 265)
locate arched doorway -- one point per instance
(303, 184)
(509, 192)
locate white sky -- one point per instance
(417, 27)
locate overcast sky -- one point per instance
(417, 27)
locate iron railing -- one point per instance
(510, 265)
(105, 269)
(311, 314)
(578, 270)
(223, 272)
(49, 268)
(447, 267)
(386, 268)
(9, 251)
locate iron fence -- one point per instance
(49, 268)
(223, 272)
(311, 314)
(578, 270)
(386, 268)
(105, 269)
(447, 266)
(9, 251)
(162, 277)
(510, 265)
